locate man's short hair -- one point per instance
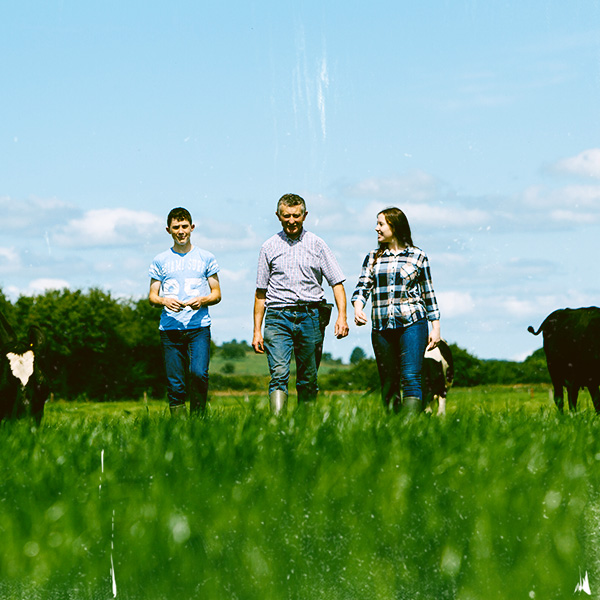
(291, 200)
(179, 214)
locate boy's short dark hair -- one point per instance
(179, 214)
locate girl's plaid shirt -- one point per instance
(401, 288)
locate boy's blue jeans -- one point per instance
(186, 355)
(399, 356)
(297, 330)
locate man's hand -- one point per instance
(258, 343)
(341, 327)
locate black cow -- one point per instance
(23, 388)
(572, 348)
(437, 376)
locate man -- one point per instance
(184, 281)
(291, 267)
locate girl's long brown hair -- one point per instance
(398, 223)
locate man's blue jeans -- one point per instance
(186, 355)
(297, 330)
(399, 356)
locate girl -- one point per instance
(397, 275)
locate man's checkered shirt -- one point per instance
(292, 270)
(401, 288)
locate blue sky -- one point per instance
(479, 119)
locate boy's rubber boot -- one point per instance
(178, 411)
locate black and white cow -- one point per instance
(23, 388)
(572, 348)
(437, 377)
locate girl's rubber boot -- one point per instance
(412, 405)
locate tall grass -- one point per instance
(341, 501)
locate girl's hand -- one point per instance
(359, 317)
(434, 339)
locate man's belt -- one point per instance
(323, 307)
(298, 307)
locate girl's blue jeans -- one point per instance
(399, 356)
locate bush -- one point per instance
(234, 350)
(360, 377)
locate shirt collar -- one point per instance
(290, 240)
(390, 253)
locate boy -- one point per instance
(184, 281)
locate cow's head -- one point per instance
(10, 343)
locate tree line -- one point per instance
(104, 348)
(469, 370)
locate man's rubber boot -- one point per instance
(278, 400)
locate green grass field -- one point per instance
(498, 500)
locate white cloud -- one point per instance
(39, 286)
(30, 205)
(455, 304)
(9, 255)
(572, 196)
(566, 206)
(518, 307)
(443, 216)
(39, 214)
(427, 202)
(11, 263)
(109, 227)
(586, 164)
(416, 186)
(536, 307)
(12, 292)
(573, 217)
(234, 276)
(220, 245)
(582, 195)
(521, 356)
(431, 206)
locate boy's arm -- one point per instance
(213, 298)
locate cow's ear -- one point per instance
(7, 335)
(37, 339)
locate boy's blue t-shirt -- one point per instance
(184, 276)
